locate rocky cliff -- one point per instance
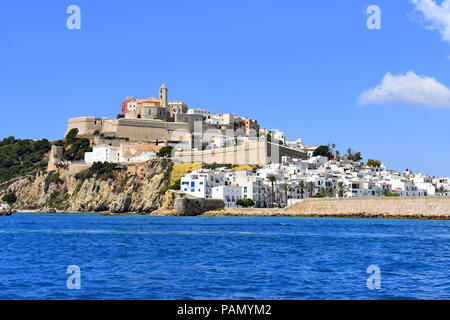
(130, 188)
(5, 210)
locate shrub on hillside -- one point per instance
(9, 198)
(99, 170)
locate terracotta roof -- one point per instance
(147, 100)
(310, 148)
(148, 147)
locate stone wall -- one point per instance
(189, 206)
(134, 129)
(386, 206)
(248, 153)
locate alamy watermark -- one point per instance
(74, 280)
(374, 19)
(74, 20)
(374, 280)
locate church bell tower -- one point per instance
(163, 96)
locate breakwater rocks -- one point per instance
(385, 208)
(5, 209)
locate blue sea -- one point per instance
(142, 257)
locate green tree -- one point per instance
(99, 170)
(323, 151)
(77, 149)
(302, 186)
(341, 189)
(165, 152)
(322, 193)
(246, 203)
(176, 185)
(373, 163)
(354, 156)
(310, 187)
(285, 187)
(357, 157)
(71, 136)
(21, 157)
(441, 189)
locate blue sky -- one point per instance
(298, 66)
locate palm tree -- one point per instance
(310, 186)
(285, 188)
(302, 186)
(441, 189)
(272, 179)
(341, 189)
(323, 193)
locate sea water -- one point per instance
(144, 257)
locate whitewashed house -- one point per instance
(102, 153)
(229, 194)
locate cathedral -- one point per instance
(153, 108)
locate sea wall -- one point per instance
(398, 208)
(386, 206)
(189, 206)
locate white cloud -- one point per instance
(410, 89)
(438, 16)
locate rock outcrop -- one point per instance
(5, 209)
(129, 188)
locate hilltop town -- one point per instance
(243, 164)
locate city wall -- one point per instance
(395, 206)
(246, 153)
(134, 129)
(249, 152)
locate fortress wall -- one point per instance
(135, 129)
(398, 206)
(247, 153)
(142, 133)
(275, 152)
(85, 125)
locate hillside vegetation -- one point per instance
(20, 157)
(181, 169)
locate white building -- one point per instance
(278, 136)
(229, 194)
(205, 113)
(221, 119)
(199, 183)
(102, 153)
(252, 186)
(126, 152)
(134, 152)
